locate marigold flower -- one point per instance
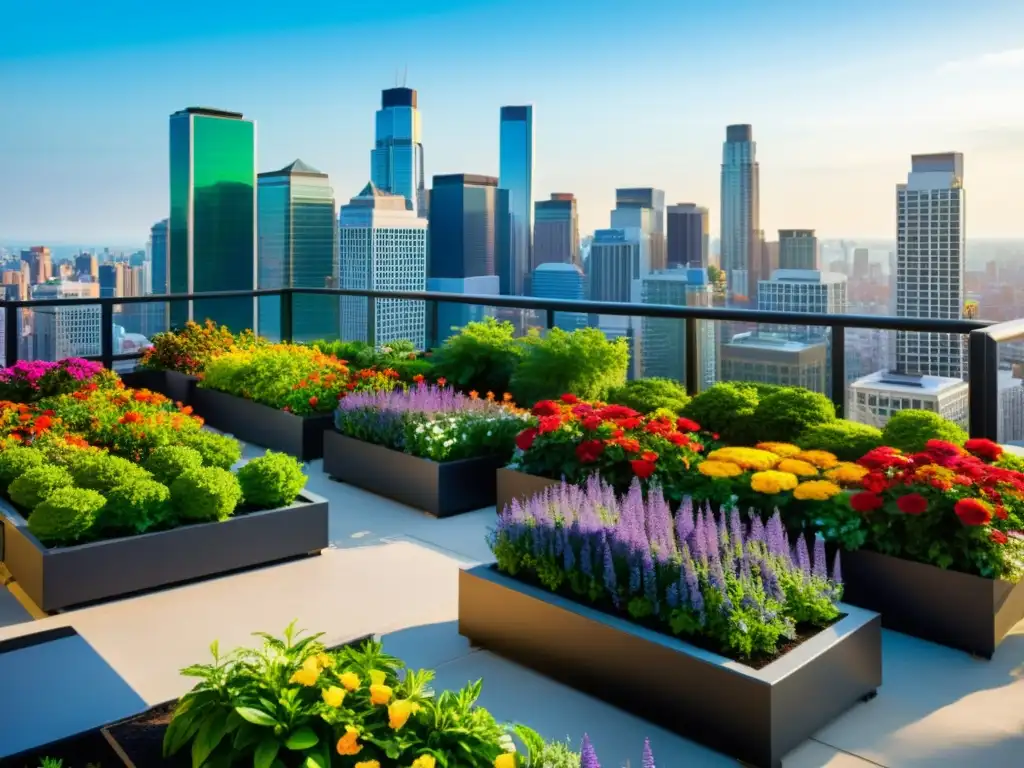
(747, 458)
(333, 696)
(820, 459)
(784, 450)
(711, 468)
(507, 760)
(846, 473)
(865, 502)
(943, 448)
(424, 761)
(797, 467)
(380, 694)
(399, 712)
(506, 398)
(643, 468)
(368, 764)
(677, 438)
(984, 449)
(912, 504)
(649, 456)
(772, 481)
(473, 394)
(524, 440)
(973, 511)
(350, 680)
(349, 743)
(816, 490)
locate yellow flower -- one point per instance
(324, 660)
(797, 467)
(747, 458)
(334, 696)
(772, 482)
(719, 469)
(507, 760)
(309, 673)
(368, 764)
(399, 712)
(424, 761)
(816, 490)
(377, 677)
(846, 473)
(785, 450)
(350, 680)
(380, 694)
(820, 459)
(349, 743)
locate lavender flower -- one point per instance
(776, 536)
(648, 758)
(820, 568)
(588, 758)
(757, 532)
(650, 579)
(803, 559)
(837, 573)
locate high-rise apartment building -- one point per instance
(613, 265)
(72, 331)
(383, 247)
(556, 231)
(212, 227)
(396, 161)
(664, 339)
(861, 264)
(798, 249)
(803, 290)
(158, 255)
(515, 175)
(688, 236)
(297, 249)
(111, 281)
(559, 280)
(773, 359)
(40, 263)
(741, 218)
(87, 267)
(643, 209)
(930, 240)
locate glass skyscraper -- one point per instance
(158, 257)
(297, 249)
(515, 175)
(740, 211)
(556, 231)
(561, 281)
(212, 231)
(396, 161)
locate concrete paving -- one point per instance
(393, 571)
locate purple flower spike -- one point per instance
(820, 566)
(757, 530)
(776, 535)
(684, 523)
(588, 758)
(648, 759)
(837, 573)
(803, 558)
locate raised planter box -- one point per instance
(299, 436)
(440, 488)
(62, 577)
(513, 484)
(962, 611)
(177, 386)
(756, 716)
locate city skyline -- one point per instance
(851, 140)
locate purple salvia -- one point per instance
(588, 758)
(672, 595)
(736, 530)
(610, 581)
(770, 581)
(634, 504)
(820, 566)
(648, 758)
(586, 557)
(698, 539)
(711, 537)
(684, 523)
(757, 530)
(650, 579)
(837, 573)
(693, 592)
(803, 558)
(716, 578)
(776, 535)
(635, 577)
(568, 556)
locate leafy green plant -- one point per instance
(911, 429)
(583, 362)
(136, 506)
(66, 516)
(167, 463)
(217, 450)
(650, 395)
(36, 484)
(848, 440)
(272, 480)
(784, 415)
(15, 461)
(205, 494)
(102, 471)
(481, 357)
(190, 348)
(726, 408)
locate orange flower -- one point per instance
(418, 378)
(131, 417)
(313, 401)
(474, 394)
(349, 743)
(441, 381)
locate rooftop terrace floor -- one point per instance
(392, 571)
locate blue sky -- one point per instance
(626, 94)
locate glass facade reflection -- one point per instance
(212, 232)
(516, 177)
(469, 219)
(396, 161)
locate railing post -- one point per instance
(691, 356)
(838, 392)
(433, 332)
(107, 334)
(549, 318)
(286, 315)
(11, 336)
(983, 384)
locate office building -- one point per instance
(515, 176)
(212, 227)
(860, 264)
(111, 281)
(664, 339)
(688, 236)
(39, 262)
(614, 264)
(643, 209)
(69, 331)
(158, 257)
(740, 210)
(383, 247)
(803, 290)
(297, 249)
(396, 161)
(556, 231)
(798, 249)
(86, 268)
(558, 280)
(876, 397)
(775, 359)
(930, 239)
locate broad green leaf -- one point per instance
(247, 735)
(209, 736)
(181, 729)
(303, 738)
(266, 753)
(256, 716)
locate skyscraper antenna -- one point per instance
(405, 75)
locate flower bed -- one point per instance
(28, 381)
(189, 349)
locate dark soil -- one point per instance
(142, 738)
(90, 751)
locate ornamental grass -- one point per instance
(736, 588)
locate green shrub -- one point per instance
(169, 461)
(217, 450)
(786, 414)
(848, 440)
(482, 357)
(102, 471)
(273, 480)
(584, 363)
(649, 395)
(66, 516)
(36, 484)
(15, 461)
(909, 430)
(1011, 461)
(205, 494)
(136, 507)
(408, 369)
(726, 408)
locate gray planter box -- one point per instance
(62, 577)
(962, 611)
(258, 424)
(513, 484)
(756, 716)
(177, 386)
(440, 488)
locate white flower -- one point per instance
(489, 433)
(419, 430)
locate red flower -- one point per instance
(986, 449)
(549, 423)
(714, 436)
(1001, 512)
(613, 412)
(629, 444)
(313, 401)
(590, 422)
(943, 448)
(973, 511)
(630, 422)
(525, 438)
(875, 482)
(998, 537)
(688, 425)
(441, 381)
(582, 410)
(131, 418)
(546, 408)
(649, 456)
(570, 399)
(865, 502)
(642, 468)
(418, 378)
(43, 423)
(882, 458)
(589, 451)
(658, 427)
(677, 438)
(912, 504)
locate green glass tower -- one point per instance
(212, 231)
(298, 237)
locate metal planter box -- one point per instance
(962, 611)
(258, 424)
(58, 578)
(513, 484)
(440, 488)
(177, 386)
(755, 715)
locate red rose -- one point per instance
(986, 449)
(973, 511)
(525, 438)
(549, 424)
(589, 451)
(590, 422)
(688, 425)
(865, 502)
(546, 408)
(998, 537)
(642, 468)
(570, 399)
(714, 435)
(912, 504)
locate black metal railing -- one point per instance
(983, 336)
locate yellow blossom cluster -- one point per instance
(797, 467)
(779, 449)
(820, 459)
(772, 481)
(713, 468)
(746, 458)
(816, 490)
(846, 473)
